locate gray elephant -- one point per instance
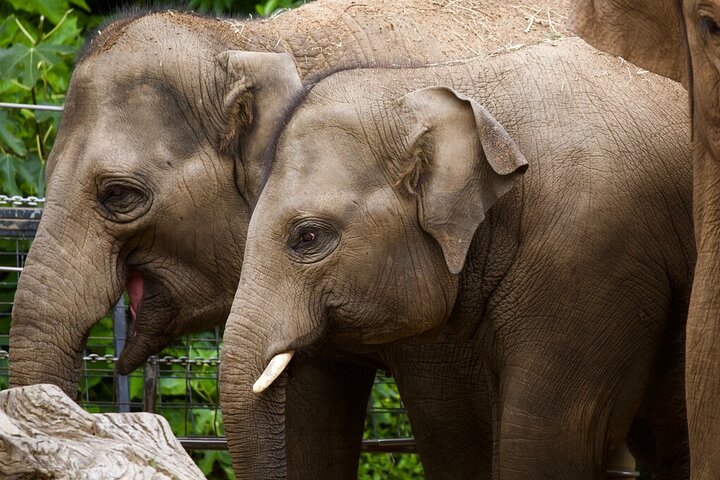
(141, 194)
(524, 205)
(679, 39)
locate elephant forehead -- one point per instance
(331, 141)
(136, 124)
(325, 164)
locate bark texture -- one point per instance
(44, 434)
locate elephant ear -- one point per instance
(259, 87)
(649, 33)
(462, 161)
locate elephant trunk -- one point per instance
(63, 290)
(259, 341)
(254, 423)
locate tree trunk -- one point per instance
(44, 434)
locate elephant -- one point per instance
(520, 202)
(679, 40)
(153, 175)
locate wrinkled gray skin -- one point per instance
(680, 40)
(159, 122)
(394, 207)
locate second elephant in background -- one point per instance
(398, 202)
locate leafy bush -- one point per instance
(38, 42)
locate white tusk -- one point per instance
(272, 371)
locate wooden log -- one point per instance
(44, 434)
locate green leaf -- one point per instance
(53, 10)
(12, 59)
(27, 62)
(31, 172)
(15, 144)
(206, 462)
(81, 3)
(67, 33)
(172, 386)
(8, 30)
(136, 388)
(7, 175)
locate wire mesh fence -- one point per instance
(181, 382)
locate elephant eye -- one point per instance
(307, 237)
(122, 201)
(709, 26)
(312, 240)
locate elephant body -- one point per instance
(680, 40)
(396, 205)
(143, 182)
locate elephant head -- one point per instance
(681, 40)
(357, 239)
(141, 193)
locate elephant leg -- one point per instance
(620, 460)
(325, 415)
(447, 401)
(549, 435)
(658, 436)
(561, 404)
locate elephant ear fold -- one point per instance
(649, 33)
(259, 87)
(461, 162)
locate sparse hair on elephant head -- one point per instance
(258, 89)
(461, 161)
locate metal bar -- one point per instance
(122, 382)
(389, 445)
(10, 269)
(19, 222)
(203, 443)
(393, 445)
(622, 474)
(151, 372)
(29, 106)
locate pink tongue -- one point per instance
(135, 291)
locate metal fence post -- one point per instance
(151, 372)
(122, 382)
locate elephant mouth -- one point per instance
(144, 338)
(136, 290)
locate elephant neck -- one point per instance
(490, 257)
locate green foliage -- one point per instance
(270, 6)
(265, 8)
(38, 42)
(222, 6)
(388, 420)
